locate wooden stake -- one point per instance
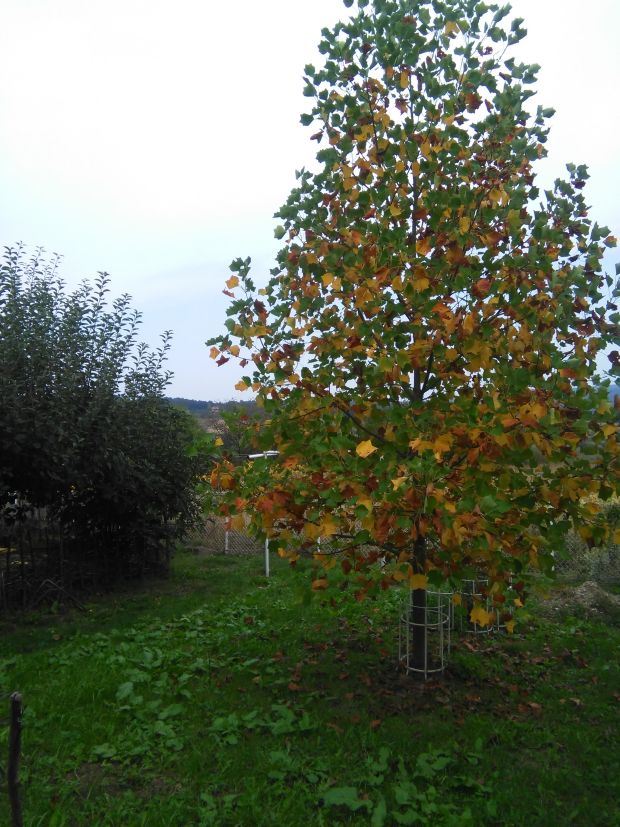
(15, 739)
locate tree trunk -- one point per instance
(418, 640)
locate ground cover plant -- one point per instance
(220, 698)
(426, 346)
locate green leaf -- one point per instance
(124, 691)
(379, 814)
(346, 797)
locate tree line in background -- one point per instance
(87, 438)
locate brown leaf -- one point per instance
(335, 727)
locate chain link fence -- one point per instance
(212, 537)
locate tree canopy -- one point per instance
(426, 346)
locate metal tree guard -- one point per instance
(437, 622)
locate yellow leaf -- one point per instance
(327, 279)
(469, 324)
(398, 481)
(480, 616)
(319, 584)
(425, 149)
(241, 386)
(518, 602)
(510, 626)
(442, 444)
(234, 349)
(421, 284)
(395, 210)
(418, 581)
(233, 281)
(214, 353)
(608, 430)
(328, 526)
(457, 600)
(312, 531)
(464, 224)
(451, 28)
(219, 441)
(365, 448)
(404, 79)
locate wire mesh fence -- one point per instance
(213, 537)
(580, 562)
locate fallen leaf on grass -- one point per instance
(376, 723)
(335, 727)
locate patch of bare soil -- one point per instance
(588, 598)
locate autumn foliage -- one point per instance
(426, 347)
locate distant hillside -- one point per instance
(205, 409)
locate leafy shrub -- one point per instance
(85, 431)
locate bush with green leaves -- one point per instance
(85, 430)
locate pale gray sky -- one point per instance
(155, 139)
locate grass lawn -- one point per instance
(219, 698)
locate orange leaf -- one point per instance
(233, 281)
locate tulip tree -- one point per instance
(426, 346)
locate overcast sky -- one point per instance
(154, 139)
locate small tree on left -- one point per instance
(85, 429)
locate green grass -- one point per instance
(218, 698)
